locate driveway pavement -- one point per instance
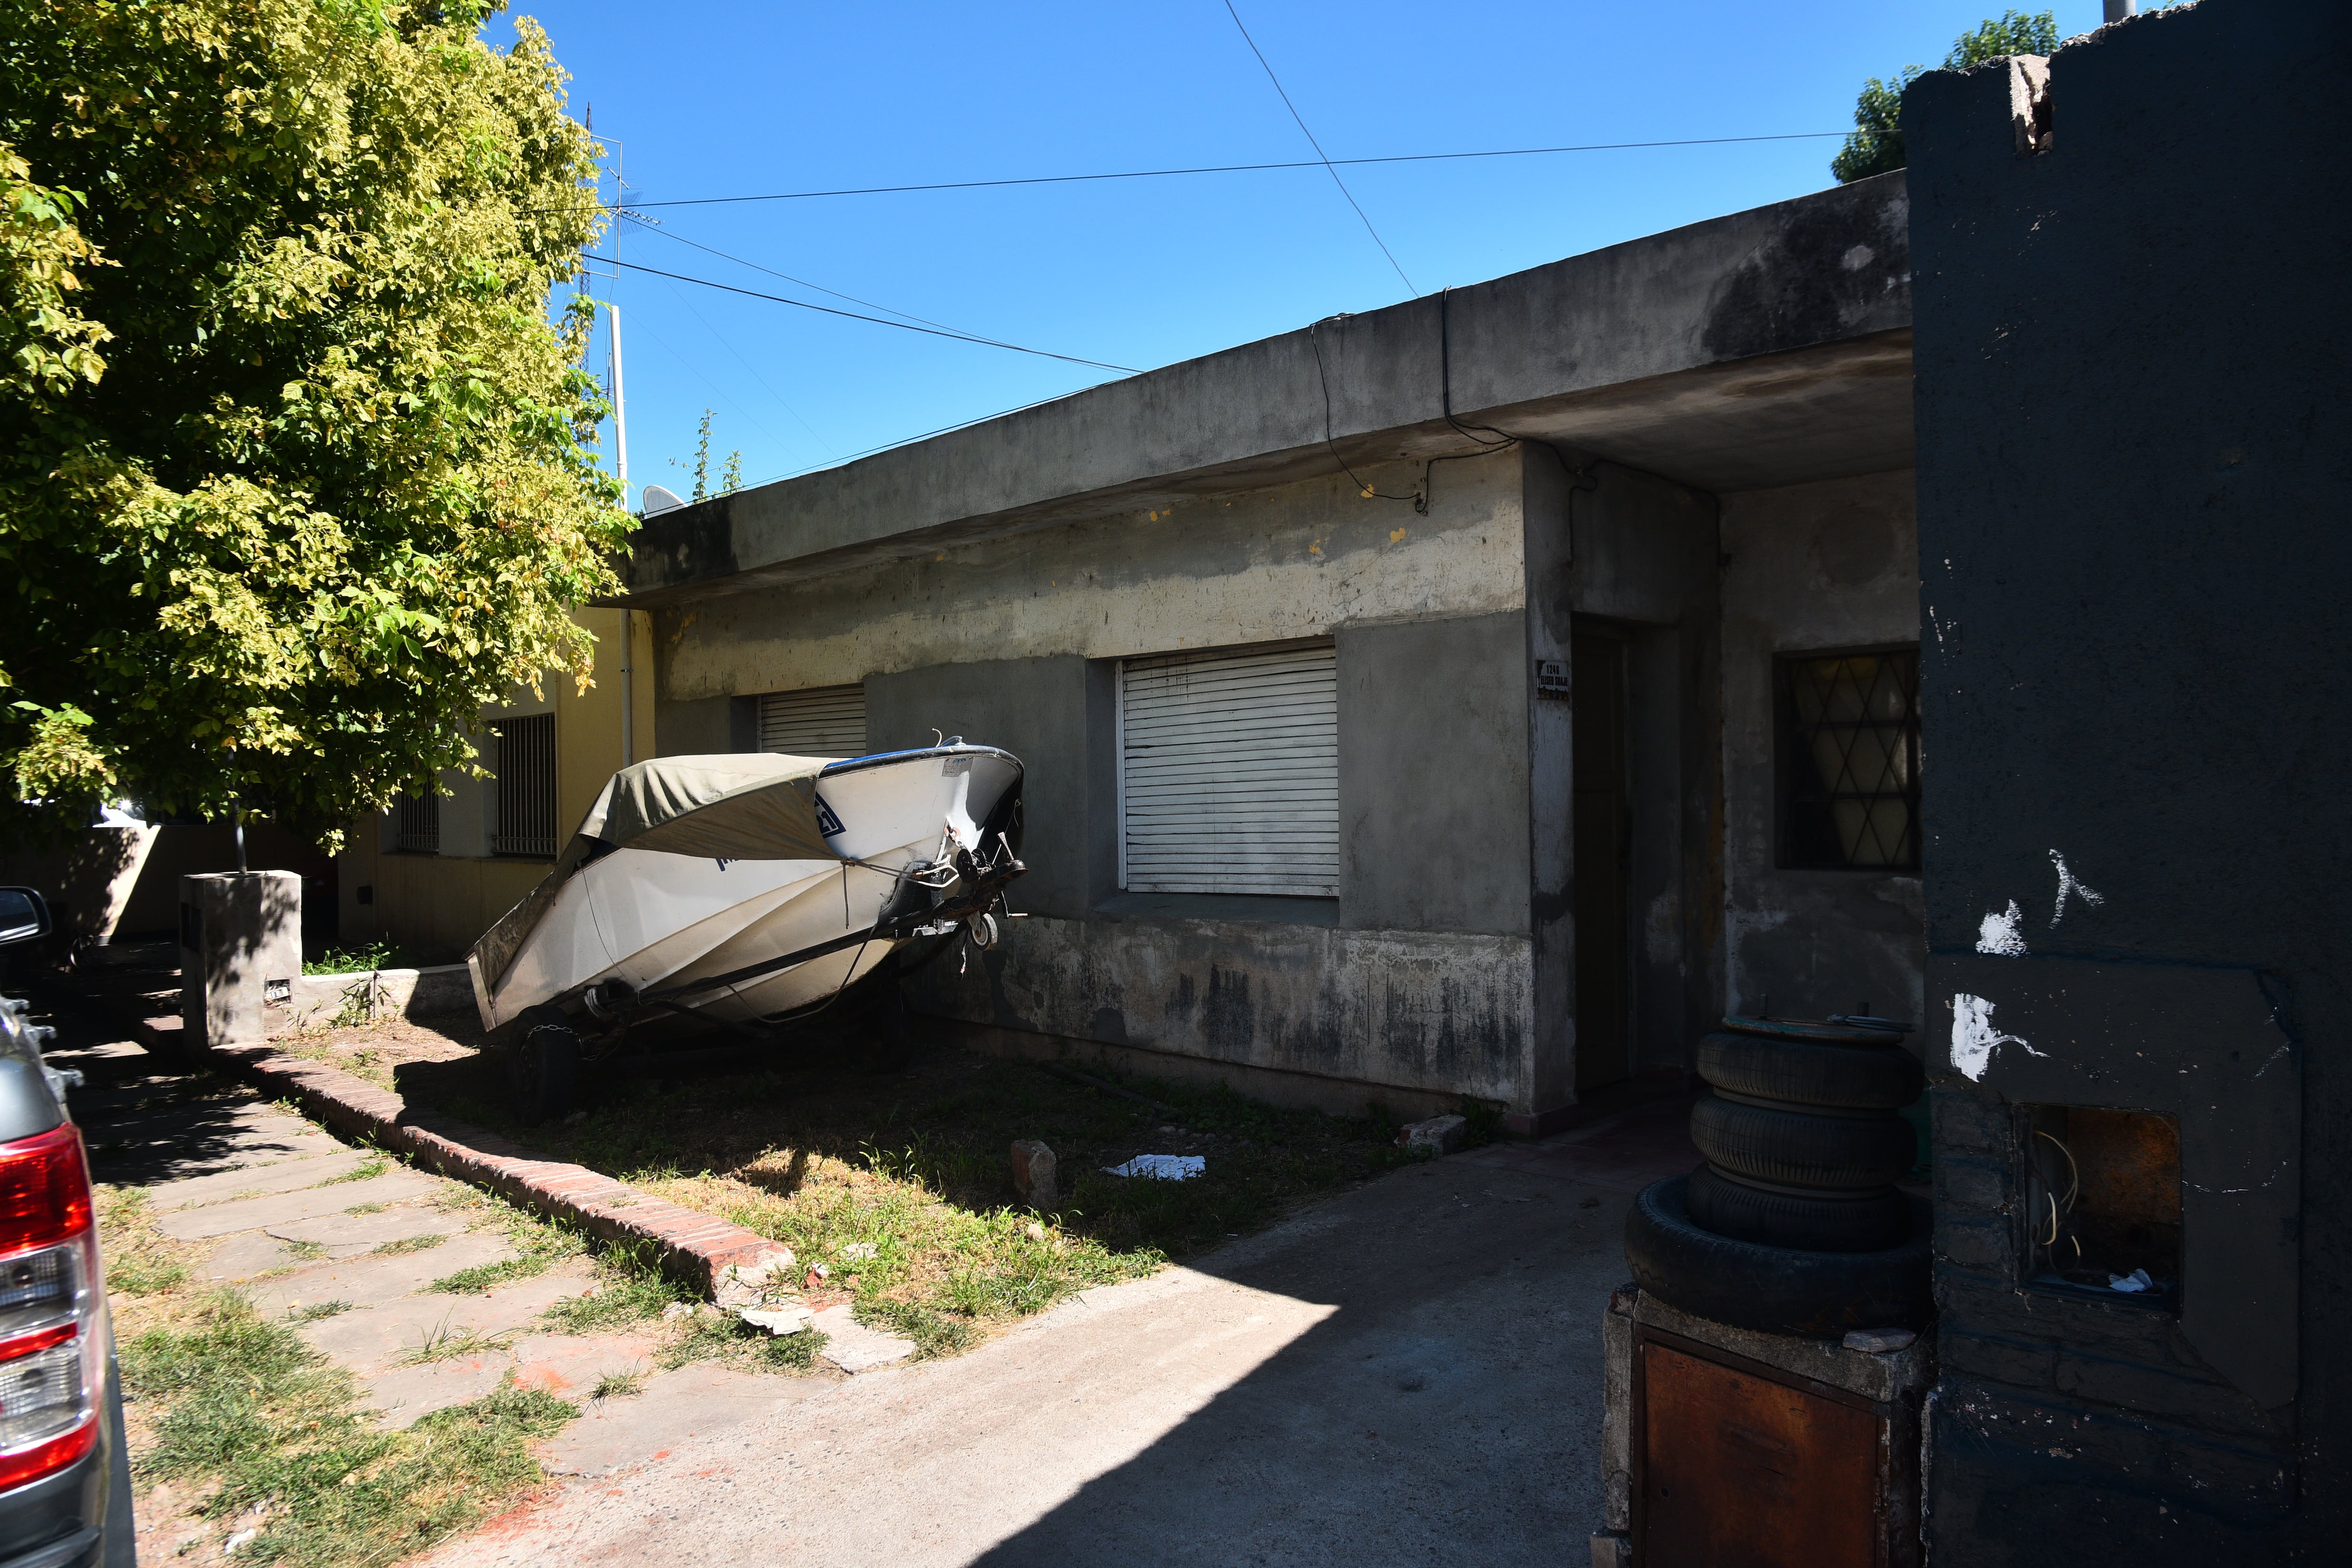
(1407, 1373)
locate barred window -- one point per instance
(526, 769)
(1849, 761)
(416, 824)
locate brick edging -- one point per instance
(697, 1245)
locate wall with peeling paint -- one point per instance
(2134, 432)
(1811, 568)
(1417, 977)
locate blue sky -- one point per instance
(714, 100)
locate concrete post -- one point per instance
(240, 952)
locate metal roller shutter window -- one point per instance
(1229, 771)
(822, 722)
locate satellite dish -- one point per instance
(658, 499)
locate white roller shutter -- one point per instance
(822, 722)
(1229, 771)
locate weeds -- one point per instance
(631, 1289)
(241, 1407)
(317, 1310)
(410, 1244)
(618, 1386)
(139, 1260)
(723, 1336)
(445, 1343)
(367, 1170)
(934, 1333)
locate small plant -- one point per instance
(410, 1244)
(317, 1310)
(618, 1386)
(447, 1343)
(381, 954)
(484, 1278)
(367, 1170)
(935, 1333)
(632, 1288)
(307, 1251)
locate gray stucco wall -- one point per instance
(1434, 775)
(1643, 564)
(1811, 568)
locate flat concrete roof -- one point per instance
(1766, 348)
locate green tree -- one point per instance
(1876, 144)
(294, 469)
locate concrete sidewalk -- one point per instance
(1408, 1373)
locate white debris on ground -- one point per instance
(856, 1250)
(778, 1320)
(1440, 1135)
(1161, 1167)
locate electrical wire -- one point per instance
(1228, 169)
(1314, 340)
(878, 320)
(1328, 169)
(652, 225)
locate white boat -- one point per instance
(744, 887)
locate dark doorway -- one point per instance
(1604, 857)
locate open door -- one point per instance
(1604, 859)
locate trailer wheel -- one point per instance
(543, 1073)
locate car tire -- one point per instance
(1824, 1222)
(1853, 1078)
(1776, 1290)
(544, 1074)
(1794, 1148)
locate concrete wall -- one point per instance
(1416, 979)
(438, 904)
(1811, 568)
(2135, 430)
(1641, 562)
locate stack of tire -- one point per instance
(1794, 1225)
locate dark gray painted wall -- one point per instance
(1810, 569)
(1043, 711)
(2134, 445)
(1434, 775)
(1643, 564)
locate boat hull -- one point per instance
(653, 920)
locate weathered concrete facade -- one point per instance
(1636, 436)
(2135, 436)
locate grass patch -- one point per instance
(629, 1288)
(367, 1170)
(618, 1386)
(140, 1259)
(245, 1410)
(445, 1343)
(539, 1244)
(307, 1251)
(723, 1336)
(424, 1243)
(834, 1161)
(317, 1310)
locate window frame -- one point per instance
(1790, 754)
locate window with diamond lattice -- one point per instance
(1849, 761)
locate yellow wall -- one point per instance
(440, 903)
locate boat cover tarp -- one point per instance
(751, 805)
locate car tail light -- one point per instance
(52, 1339)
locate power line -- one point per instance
(878, 320)
(1328, 169)
(1236, 169)
(652, 226)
